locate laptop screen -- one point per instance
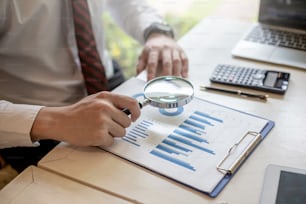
(286, 13)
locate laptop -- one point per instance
(279, 36)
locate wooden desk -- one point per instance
(208, 44)
(35, 185)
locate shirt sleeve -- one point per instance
(16, 121)
(133, 16)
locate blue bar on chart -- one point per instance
(190, 129)
(198, 121)
(172, 159)
(194, 124)
(138, 132)
(201, 120)
(174, 149)
(167, 149)
(131, 142)
(190, 136)
(188, 143)
(208, 116)
(176, 146)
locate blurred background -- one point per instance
(182, 15)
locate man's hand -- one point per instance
(93, 121)
(162, 52)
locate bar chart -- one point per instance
(186, 143)
(187, 137)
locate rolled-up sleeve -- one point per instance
(133, 16)
(16, 121)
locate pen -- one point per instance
(236, 92)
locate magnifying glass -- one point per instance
(166, 92)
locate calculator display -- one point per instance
(271, 79)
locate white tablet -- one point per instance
(284, 185)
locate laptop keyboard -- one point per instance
(276, 37)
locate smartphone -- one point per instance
(253, 78)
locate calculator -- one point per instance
(249, 77)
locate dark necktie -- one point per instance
(92, 67)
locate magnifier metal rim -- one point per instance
(159, 104)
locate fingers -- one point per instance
(104, 141)
(118, 103)
(167, 66)
(94, 120)
(142, 61)
(121, 102)
(185, 64)
(153, 58)
(172, 61)
(162, 56)
(118, 121)
(108, 129)
(177, 63)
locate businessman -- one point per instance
(56, 74)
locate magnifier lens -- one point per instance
(168, 92)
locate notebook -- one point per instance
(279, 36)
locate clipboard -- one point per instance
(229, 172)
(160, 142)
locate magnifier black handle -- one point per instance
(127, 111)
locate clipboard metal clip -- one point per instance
(240, 157)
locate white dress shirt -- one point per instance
(39, 64)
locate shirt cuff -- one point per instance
(16, 122)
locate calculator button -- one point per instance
(259, 76)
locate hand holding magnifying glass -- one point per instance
(166, 92)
